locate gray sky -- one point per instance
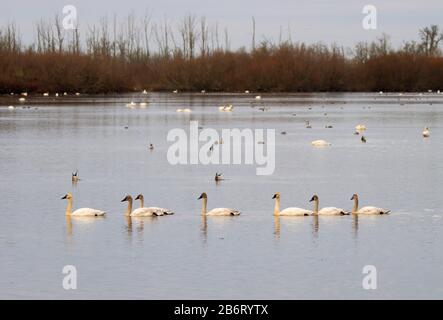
(310, 21)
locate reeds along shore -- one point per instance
(196, 57)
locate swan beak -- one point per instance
(275, 196)
(312, 199)
(199, 198)
(138, 197)
(352, 198)
(125, 199)
(64, 197)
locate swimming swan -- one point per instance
(83, 212)
(366, 210)
(360, 127)
(328, 211)
(156, 210)
(292, 211)
(216, 211)
(140, 212)
(320, 143)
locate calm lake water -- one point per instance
(253, 256)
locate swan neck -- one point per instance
(277, 207)
(69, 207)
(205, 202)
(142, 202)
(316, 206)
(129, 209)
(355, 208)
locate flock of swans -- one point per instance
(143, 211)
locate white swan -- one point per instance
(257, 97)
(292, 211)
(155, 210)
(184, 110)
(227, 108)
(320, 143)
(22, 99)
(327, 211)
(360, 127)
(140, 212)
(366, 210)
(216, 211)
(426, 132)
(83, 212)
(11, 107)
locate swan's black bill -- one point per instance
(125, 199)
(275, 196)
(201, 196)
(64, 197)
(138, 197)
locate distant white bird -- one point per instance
(175, 91)
(83, 212)
(292, 211)
(24, 94)
(203, 91)
(327, 211)
(360, 127)
(320, 143)
(216, 211)
(56, 94)
(11, 107)
(143, 104)
(366, 210)
(426, 133)
(46, 94)
(186, 110)
(77, 93)
(227, 108)
(131, 104)
(246, 91)
(22, 99)
(144, 92)
(257, 97)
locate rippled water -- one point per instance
(251, 256)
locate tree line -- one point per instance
(136, 54)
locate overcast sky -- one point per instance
(310, 21)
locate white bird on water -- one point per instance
(426, 132)
(216, 211)
(82, 212)
(320, 143)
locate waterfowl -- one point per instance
(22, 99)
(246, 91)
(363, 139)
(149, 211)
(151, 146)
(77, 93)
(216, 211)
(46, 94)
(228, 108)
(24, 94)
(360, 127)
(368, 209)
(137, 212)
(74, 176)
(83, 212)
(257, 97)
(328, 126)
(320, 143)
(184, 110)
(131, 104)
(175, 91)
(143, 104)
(203, 91)
(11, 107)
(144, 92)
(292, 211)
(327, 211)
(218, 177)
(426, 132)
(307, 125)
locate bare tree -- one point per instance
(430, 39)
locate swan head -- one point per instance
(139, 197)
(203, 196)
(354, 197)
(314, 198)
(67, 196)
(127, 198)
(276, 196)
